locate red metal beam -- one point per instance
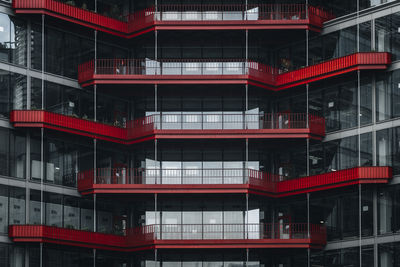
(151, 236)
(128, 71)
(255, 182)
(263, 16)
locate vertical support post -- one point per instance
(247, 216)
(375, 224)
(245, 10)
(373, 44)
(374, 120)
(94, 161)
(247, 256)
(157, 224)
(94, 257)
(95, 119)
(359, 115)
(307, 9)
(95, 72)
(360, 222)
(158, 166)
(26, 253)
(308, 229)
(41, 255)
(156, 254)
(29, 65)
(246, 115)
(358, 26)
(307, 140)
(246, 166)
(156, 107)
(308, 156)
(156, 45)
(247, 43)
(28, 176)
(156, 71)
(307, 64)
(94, 213)
(95, 52)
(42, 144)
(308, 215)
(43, 61)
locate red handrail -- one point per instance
(75, 12)
(142, 19)
(332, 65)
(228, 231)
(221, 67)
(86, 127)
(272, 183)
(134, 237)
(164, 121)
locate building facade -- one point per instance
(173, 133)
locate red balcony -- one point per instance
(146, 71)
(220, 181)
(69, 124)
(180, 126)
(180, 236)
(184, 17)
(64, 236)
(72, 14)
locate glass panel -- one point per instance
(87, 215)
(54, 210)
(387, 96)
(17, 205)
(71, 213)
(3, 209)
(386, 205)
(366, 101)
(387, 37)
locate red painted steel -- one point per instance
(73, 14)
(128, 181)
(157, 126)
(40, 118)
(232, 71)
(175, 17)
(51, 234)
(277, 235)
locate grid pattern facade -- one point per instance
(167, 133)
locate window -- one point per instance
(13, 37)
(12, 154)
(387, 35)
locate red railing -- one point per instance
(318, 16)
(226, 121)
(146, 68)
(193, 14)
(167, 121)
(164, 67)
(229, 231)
(308, 234)
(177, 176)
(77, 13)
(360, 174)
(219, 121)
(232, 12)
(334, 65)
(41, 233)
(270, 183)
(68, 123)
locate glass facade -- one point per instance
(40, 164)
